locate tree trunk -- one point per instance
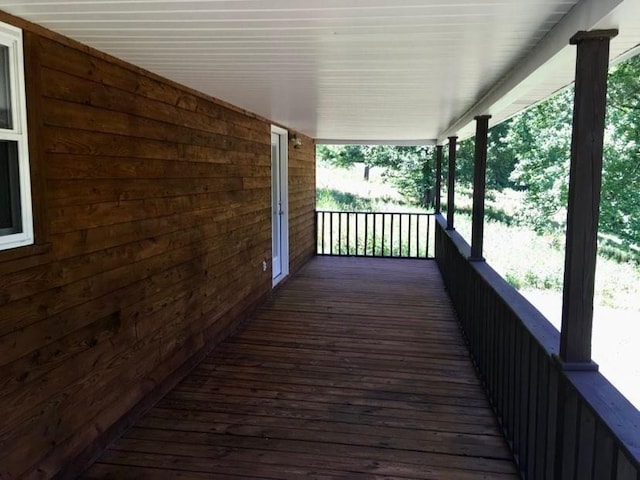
(366, 172)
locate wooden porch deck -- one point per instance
(355, 369)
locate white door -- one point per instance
(279, 207)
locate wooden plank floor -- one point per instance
(355, 369)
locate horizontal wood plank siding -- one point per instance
(302, 203)
(153, 211)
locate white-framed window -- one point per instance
(16, 220)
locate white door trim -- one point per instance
(284, 192)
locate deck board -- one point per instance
(354, 369)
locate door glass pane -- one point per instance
(5, 89)
(10, 219)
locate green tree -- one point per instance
(369, 155)
(620, 205)
(413, 173)
(501, 158)
(410, 168)
(540, 139)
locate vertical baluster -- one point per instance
(340, 233)
(410, 217)
(322, 232)
(417, 235)
(426, 252)
(400, 234)
(356, 235)
(330, 233)
(391, 239)
(366, 232)
(344, 243)
(384, 221)
(375, 233)
(348, 236)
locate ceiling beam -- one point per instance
(554, 46)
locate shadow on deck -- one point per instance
(355, 369)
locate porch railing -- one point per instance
(560, 423)
(375, 234)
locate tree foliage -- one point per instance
(369, 155)
(541, 141)
(501, 158)
(620, 205)
(411, 169)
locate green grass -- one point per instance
(329, 199)
(336, 200)
(531, 261)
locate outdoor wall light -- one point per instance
(297, 143)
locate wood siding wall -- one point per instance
(153, 220)
(302, 203)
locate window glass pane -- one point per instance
(5, 89)
(10, 218)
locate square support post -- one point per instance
(451, 182)
(479, 186)
(585, 179)
(438, 177)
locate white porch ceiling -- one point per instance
(350, 70)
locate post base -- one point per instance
(590, 366)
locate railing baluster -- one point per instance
(323, 233)
(345, 247)
(331, 233)
(357, 215)
(399, 236)
(417, 225)
(400, 216)
(384, 220)
(366, 232)
(426, 248)
(375, 233)
(418, 235)
(339, 245)
(348, 236)
(409, 237)
(391, 239)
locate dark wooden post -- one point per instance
(479, 186)
(438, 177)
(451, 182)
(585, 179)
